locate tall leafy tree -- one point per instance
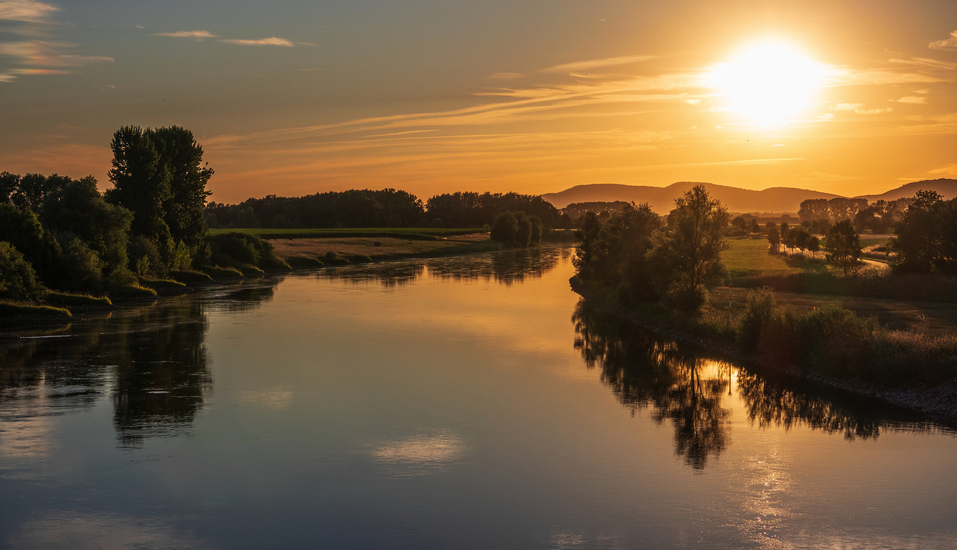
(182, 157)
(691, 250)
(141, 183)
(843, 246)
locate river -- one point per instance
(467, 402)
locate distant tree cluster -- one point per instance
(926, 240)
(647, 257)
(468, 209)
(576, 210)
(877, 217)
(353, 208)
(384, 208)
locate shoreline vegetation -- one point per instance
(664, 274)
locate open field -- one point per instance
(390, 247)
(749, 257)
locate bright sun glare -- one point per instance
(768, 82)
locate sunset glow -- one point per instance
(768, 82)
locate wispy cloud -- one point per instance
(505, 76)
(859, 108)
(949, 170)
(949, 43)
(912, 99)
(273, 41)
(187, 34)
(25, 10)
(595, 63)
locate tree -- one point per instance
(692, 248)
(141, 184)
(774, 238)
(843, 246)
(926, 238)
(182, 158)
(79, 209)
(504, 228)
(18, 281)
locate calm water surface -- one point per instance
(470, 402)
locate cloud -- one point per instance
(859, 108)
(949, 170)
(25, 10)
(949, 43)
(506, 76)
(912, 99)
(41, 53)
(594, 63)
(187, 34)
(273, 41)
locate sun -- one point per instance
(767, 82)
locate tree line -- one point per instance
(383, 208)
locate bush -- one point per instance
(145, 258)
(18, 280)
(238, 249)
(79, 267)
(757, 314)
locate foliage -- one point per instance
(22, 229)
(78, 208)
(345, 209)
(691, 250)
(926, 239)
(516, 229)
(843, 246)
(238, 249)
(182, 157)
(467, 209)
(18, 280)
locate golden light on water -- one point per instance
(767, 82)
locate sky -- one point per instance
(293, 97)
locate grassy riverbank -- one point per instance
(829, 344)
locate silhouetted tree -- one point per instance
(843, 246)
(691, 251)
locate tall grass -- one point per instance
(834, 342)
(868, 283)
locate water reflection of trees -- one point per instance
(244, 296)
(152, 360)
(506, 267)
(647, 372)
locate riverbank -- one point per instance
(938, 401)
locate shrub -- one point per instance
(757, 314)
(79, 267)
(145, 258)
(18, 280)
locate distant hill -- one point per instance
(662, 199)
(946, 187)
(774, 199)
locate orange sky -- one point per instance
(850, 97)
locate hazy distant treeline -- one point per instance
(383, 208)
